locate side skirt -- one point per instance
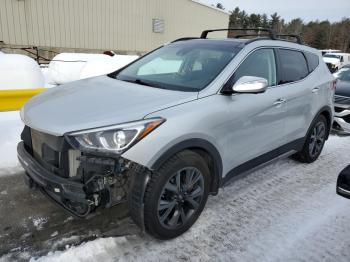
(265, 159)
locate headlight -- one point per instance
(113, 139)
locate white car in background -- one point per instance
(336, 61)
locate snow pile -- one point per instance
(105, 66)
(49, 82)
(68, 67)
(19, 72)
(102, 249)
(11, 127)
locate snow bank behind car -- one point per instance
(68, 67)
(19, 72)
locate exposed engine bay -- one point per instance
(104, 180)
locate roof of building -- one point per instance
(211, 6)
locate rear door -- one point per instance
(299, 92)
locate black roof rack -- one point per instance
(184, 39)
(250, 35)
(262, 34)
(271, 32)
(297, 37)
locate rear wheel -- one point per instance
(176, 195)
(314, 142)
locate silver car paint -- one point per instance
(96, 102)
(241, 126)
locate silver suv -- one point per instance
(171, 128)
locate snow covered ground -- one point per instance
(286, 211)
(11, 127)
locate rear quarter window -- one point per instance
(312, 60)
(293, 66)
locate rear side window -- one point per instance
(293, 66)
(312, 61)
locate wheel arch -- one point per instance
(206, 150)
(326, 111)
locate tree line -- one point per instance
(318, 34)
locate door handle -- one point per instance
(279, 102)
(315, 90)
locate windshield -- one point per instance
(185, 66)
(343, 74)
(332, 56)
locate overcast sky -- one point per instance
(333, 10)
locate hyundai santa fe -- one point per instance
(174, 126)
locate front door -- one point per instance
(255, 122)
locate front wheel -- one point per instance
(176, 195)
(315, 141)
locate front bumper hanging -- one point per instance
(57, 188)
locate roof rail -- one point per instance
(271, 32)
(297, 37)
(184, 39)
(250, 35)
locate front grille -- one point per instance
(346, 118)
(342, 100)
(51, 152)
(338, 109)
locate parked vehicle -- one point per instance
(343, 183)
(174, 126)
(325, 51)
(336, 61)
(342, 101)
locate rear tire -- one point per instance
(314, 142)
(176, 195)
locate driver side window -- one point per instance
(260, 63)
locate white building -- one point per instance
(122, 25)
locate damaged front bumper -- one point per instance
(77, 197)
(341, 122)
(59, 189)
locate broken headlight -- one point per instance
(112, 139)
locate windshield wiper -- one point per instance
(140, 82)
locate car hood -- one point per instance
(96, 102)
(343, 88)
(331, 60)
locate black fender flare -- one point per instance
(327, 112)
(196, 143)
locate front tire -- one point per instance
(176, 195)
(314, 142)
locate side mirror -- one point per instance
(343, 183)
(250, 84)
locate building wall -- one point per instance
(122, 25)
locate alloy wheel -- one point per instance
(180, 198)
(317, 139)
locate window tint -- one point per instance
(261, 63)
(293, 66)
(312, 61)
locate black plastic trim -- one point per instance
(329, 119)
(196, 143)
(68, 189)
(271, 32)
(296, 145)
